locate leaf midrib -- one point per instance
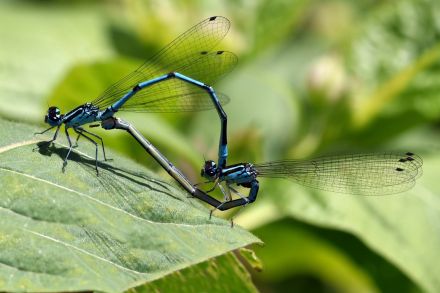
(18, 144)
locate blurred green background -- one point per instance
(314, 77)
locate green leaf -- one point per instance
(397, 44)
(296, 250)
(222, 274)
(76, 231)
(275, 20)
(251, 258)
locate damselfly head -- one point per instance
(209, 170)
(53, 116)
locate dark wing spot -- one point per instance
(409, 154)
(219, 52)
(212, 18)
(402, 160)
(410, 159)
(204, 52)
(399, 169)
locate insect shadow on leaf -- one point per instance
(138, 180)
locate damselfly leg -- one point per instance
(53, 138)
(94, 135)
(216, 183)
(50, 128)
(80, 133)
(226, 195)
(236, 192)
(44, 131)
(242, 196)
(226, 191)
(242, 201)
(214, 186)
(70, 148)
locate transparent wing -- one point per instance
(368, 174)
(183, 102)
(184, 51)
(208, 69)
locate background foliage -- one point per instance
(314, 77)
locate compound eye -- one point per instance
(54, 113)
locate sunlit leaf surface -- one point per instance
(78, 231)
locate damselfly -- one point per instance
(176, 79)
(366, 174)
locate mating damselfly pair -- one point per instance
(178, 79)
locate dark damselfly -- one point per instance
(176, 79)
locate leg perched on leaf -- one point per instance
(226, 195)
(54, 136)
(80, 133)
(70, 148)
(82, 130)
(242, 201)
(251, 198)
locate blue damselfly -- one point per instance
(176, 79)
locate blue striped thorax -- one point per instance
(239, 173)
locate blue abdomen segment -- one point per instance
(222, 154)
(110, 111)
(188, 79)
(223, 145)
(116, 106)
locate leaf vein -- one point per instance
(18, 144)
(81, 250)
(101, 202)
